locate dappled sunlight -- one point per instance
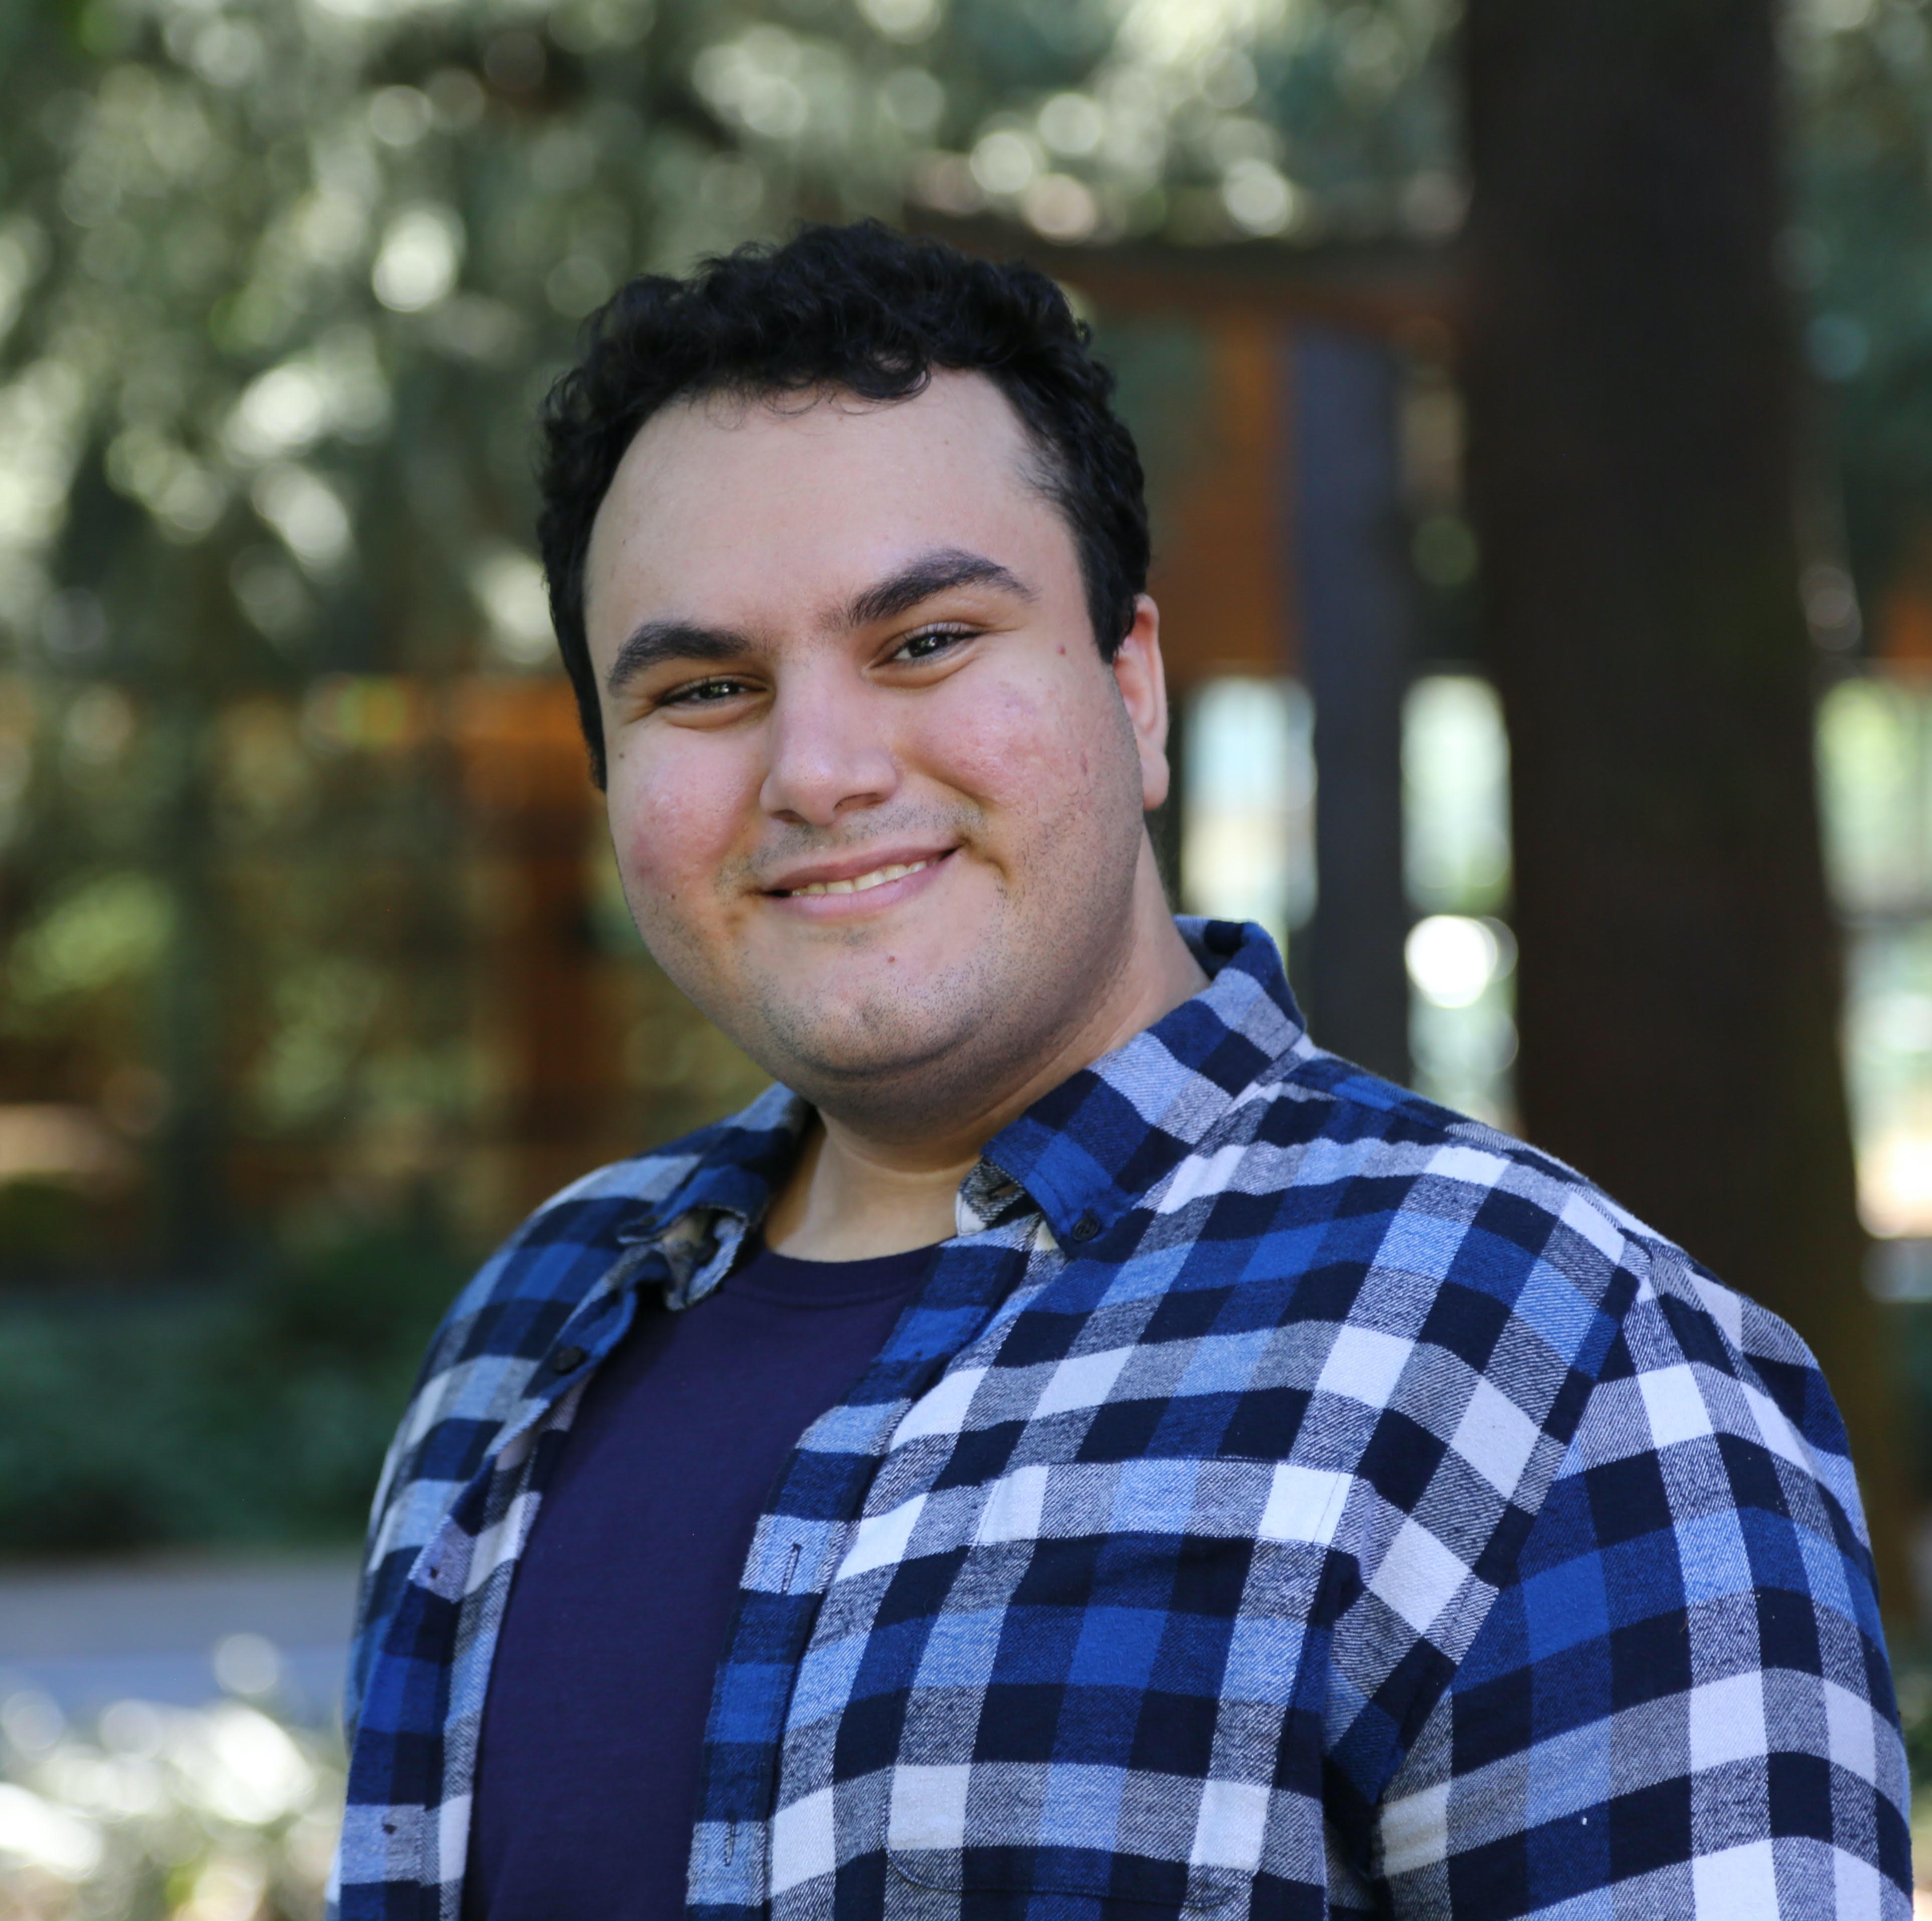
(150, 1812)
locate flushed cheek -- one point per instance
(1021, 751)
(674, 837)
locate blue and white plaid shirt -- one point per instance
(1284, 1499)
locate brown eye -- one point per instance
(931, 644)
(703, 693)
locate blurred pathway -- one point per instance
(180, 1631)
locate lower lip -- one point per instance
(872, 900)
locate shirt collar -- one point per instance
(1091, 1148)
(1085, 1152)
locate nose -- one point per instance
(829, 754)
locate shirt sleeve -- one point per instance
(1681, 1692)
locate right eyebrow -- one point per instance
(658, 641)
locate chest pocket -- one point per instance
(1105, 1692)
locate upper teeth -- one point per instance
(877, 877)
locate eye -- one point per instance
(705, 693)
(929, 642)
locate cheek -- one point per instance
(672, 826)
(1041, 752)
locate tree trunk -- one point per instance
(1356, 647)
(1632, 384)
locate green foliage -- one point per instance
(257, 1415)
(1908, 1325)
(280, 287)
(88, 937)
(1859, 258)
(277, 284)
(44, 1223)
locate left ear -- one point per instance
(1139, 674)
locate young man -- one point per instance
(1072, 1448)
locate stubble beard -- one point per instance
(935, 1055)
(906, 1060)
(929, 1054)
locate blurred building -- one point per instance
(427, 994)
(431, 996)
(1875, 771)
(1343, 771)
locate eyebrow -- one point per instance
(657, 641)
(930, 574)
(935, 572)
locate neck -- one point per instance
(857, 1191)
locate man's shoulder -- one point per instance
(1319, 1134)
(1399, 1184)
(1476, 1322)
(506, 1316)
(566, 1243)
(499, 1328)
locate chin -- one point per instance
(836, 1045)
(834, 1054)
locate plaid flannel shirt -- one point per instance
(1284, 1498)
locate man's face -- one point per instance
(876, 799)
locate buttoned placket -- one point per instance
(448, 1566)
(692, 1255)
(793, 1563)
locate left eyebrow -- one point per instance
(658, 641)
(930, 574)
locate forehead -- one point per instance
(719, 496)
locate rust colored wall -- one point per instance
(1219, 575)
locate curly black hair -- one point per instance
(859, 309)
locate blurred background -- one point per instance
(1537, 401)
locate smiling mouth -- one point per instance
(879, 876)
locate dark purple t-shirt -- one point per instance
(587, 1776)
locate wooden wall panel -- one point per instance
(1220, 565)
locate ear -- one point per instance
(1142, 680)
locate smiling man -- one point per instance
(1072, 1449)
(908, 871)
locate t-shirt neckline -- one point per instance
(764, 1274)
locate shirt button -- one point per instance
(567, 1360)
(1085, 1228)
